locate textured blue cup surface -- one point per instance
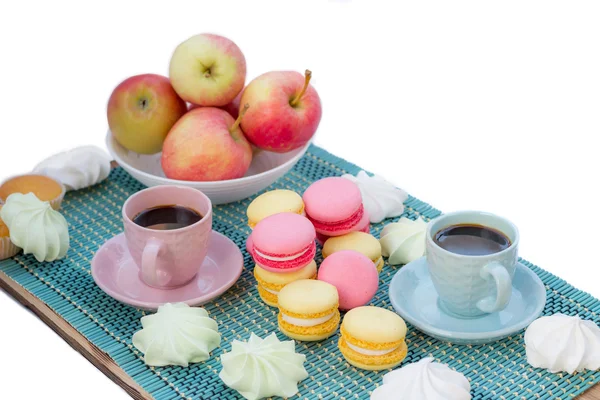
(456, 277)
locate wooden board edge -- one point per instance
(76, 340)
(101, 360)
(591, 394)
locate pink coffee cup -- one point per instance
(168, 258)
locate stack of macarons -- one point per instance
(283, 247)
(308, 310)
(282, 244)
(372, 338)
(362, 242)
(334, 205)
(271, 203)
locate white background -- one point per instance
(465, 104)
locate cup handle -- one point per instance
(499, 273)
(150, 273)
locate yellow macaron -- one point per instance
(271, 283)
(358, 241)
(274, 202)
(308, 310)
(372, 338)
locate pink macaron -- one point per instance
(334, 206)
(283, 242)
(353, 274)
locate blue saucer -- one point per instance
(414, 297)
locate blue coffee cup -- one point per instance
(472, 285)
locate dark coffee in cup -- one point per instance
(472, 257)
(167, 217)
(471, 240)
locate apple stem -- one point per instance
(239, 118)
(307, 76)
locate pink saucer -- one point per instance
(117, 275)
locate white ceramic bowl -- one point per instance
(266, 168)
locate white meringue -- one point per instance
(403, 241)
(263, 367)
(563, 343)
(381, 199)
(423, 380)
(77, 168)
(36, 227)
(177, 335)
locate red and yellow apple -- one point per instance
(142, 110)
(208, 70)
(206, 144)
(284, 113)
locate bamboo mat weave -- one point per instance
(496, 371)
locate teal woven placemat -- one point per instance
(496, 371)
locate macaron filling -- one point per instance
(309, 333)
(306, 321)
(270, 290)
(333, 226)
(373, 361)
(368, 348)
(270, 299)
(285, 262)
(285, 258)
(370, 352)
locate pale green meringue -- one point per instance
(403, 241)
(177, 335)
(262, 368)
(36, 227)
